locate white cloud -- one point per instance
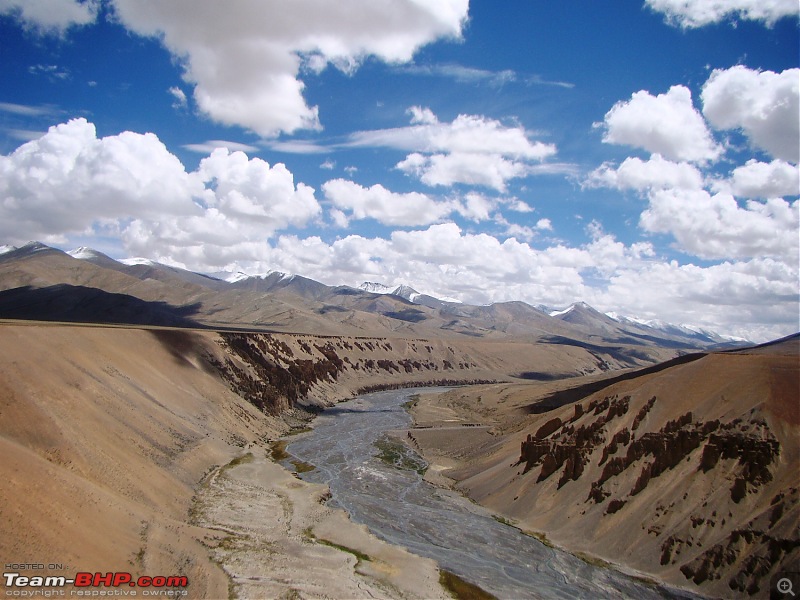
(716, 227)
(129, 185)
(51, 16)
(476, 207)
(26, 110)
(763, 104)
(488, 170)
(756, 179)
(474, 134)
(667, 124)
(697, 13)
(328, 165)
(210, 145)
(544, 225)
(245, 58)
(384, 206)
(472, 149)
(298, 147)
(755, 299)
(636, 174)
(68, 179)
(422, 115)
(180, 97)
(251, 189)
(463, 74)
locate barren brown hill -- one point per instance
(148, 451)
(690, 474)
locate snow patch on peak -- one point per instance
(235, 277)
(138, 261)
(84, 253)
(558, 313)
(402, 290)
(374, 287)
(4, 249)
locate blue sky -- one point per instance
(640, 156)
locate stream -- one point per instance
(381, 487)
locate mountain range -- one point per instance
(288, 302)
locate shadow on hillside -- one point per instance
(79, 304)
(573, 394)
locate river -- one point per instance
(396, 504)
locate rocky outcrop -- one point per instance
(569, 447)
(277, 372)
(602, 436)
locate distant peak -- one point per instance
(374, 287)
(84, 253)
(34, 247)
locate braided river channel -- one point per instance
(396, 504)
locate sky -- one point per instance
(637, 155)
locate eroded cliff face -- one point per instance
(279, 372)
(690, 475)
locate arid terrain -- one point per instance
(688, 474)
(139, 409)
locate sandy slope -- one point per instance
(107, 436)
(710, 519)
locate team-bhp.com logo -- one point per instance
(90, 584)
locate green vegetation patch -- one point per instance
(299, 430)
(302, 466)
(539, 536)
(360, 556)
(357, 553)
(411, 403)
(278, 450)
(400, 456)
(504, 521)
(239, 460)
(461, 589)
(279, 453)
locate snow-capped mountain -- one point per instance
(676, 329)
(374, 298)
(402, 290)
(237, 276)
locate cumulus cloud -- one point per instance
(71, 181)
(245, 58)
(716, 227)
(636, 174)
(385, 206)
(757, 179)
(667, 124)
(697, 13)
(472, 149)
(763, 104)
(466, 133)
(488, 170)
(51, 16)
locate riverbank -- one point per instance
(275, 538)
